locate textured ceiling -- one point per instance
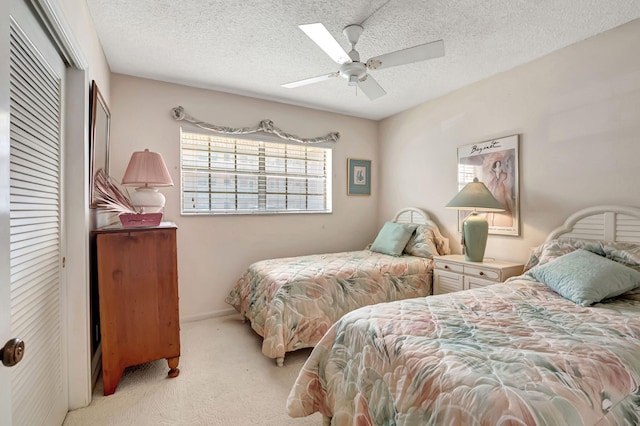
(251, 47)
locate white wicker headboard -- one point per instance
(415, 215)
(609, 223)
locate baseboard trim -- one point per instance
(214, 314)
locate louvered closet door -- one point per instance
(39, 382)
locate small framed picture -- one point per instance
(359, 175)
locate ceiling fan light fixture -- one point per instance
(353, 69)
(353, 80)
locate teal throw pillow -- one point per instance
(585, 277)
(392, 238)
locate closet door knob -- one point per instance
(12, 352)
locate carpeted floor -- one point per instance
(224, 380)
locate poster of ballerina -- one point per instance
(494, 162)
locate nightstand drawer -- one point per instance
(454, 273)
(485, 274)
(449, 266)
(472, 282)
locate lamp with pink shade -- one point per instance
(148, 171)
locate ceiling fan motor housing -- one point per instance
(353, 72)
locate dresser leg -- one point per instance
(174, 371)
(110, 379)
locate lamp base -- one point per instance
(148, 200)
(475, 230)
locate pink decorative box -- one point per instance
(133, 220)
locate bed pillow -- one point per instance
(392, 238)
(553, 249)
(585, 277)
(626, 253)
(422, 242)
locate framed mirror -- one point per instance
(100, 119)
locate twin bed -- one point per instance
(292, 302)
(510, 354)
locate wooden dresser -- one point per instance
(138, 292)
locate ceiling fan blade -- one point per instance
(371, 88)
(323, 38)
(310, 80)
(421, 52)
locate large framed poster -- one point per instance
(495, 163)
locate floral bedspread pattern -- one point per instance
(292, 302)
(509, 354)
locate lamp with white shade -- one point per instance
(148, 171)
(475, 196)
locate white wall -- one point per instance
(577, 111)
(79, 19)
(214, 250)
(78, 25)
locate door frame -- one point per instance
(77, 218)
(5, 290)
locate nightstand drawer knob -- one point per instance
(481, 273)
(446, 266)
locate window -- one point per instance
(229, 174)
(466, 173)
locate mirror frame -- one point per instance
(98, 142)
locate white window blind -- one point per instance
(241, 175)
(466, 173)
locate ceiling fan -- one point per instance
(354, 71)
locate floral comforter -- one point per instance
(508, 354)
(292, 302)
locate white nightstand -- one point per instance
(453, 273)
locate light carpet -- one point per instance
(224, 380)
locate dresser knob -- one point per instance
(481, 273)
(446, 266)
